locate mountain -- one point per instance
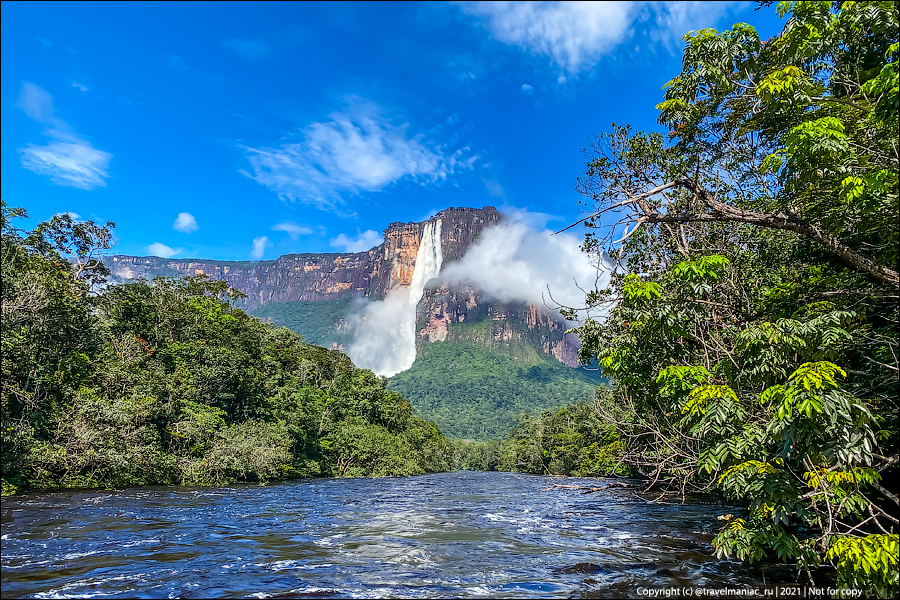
(326, 276)
(478, 364)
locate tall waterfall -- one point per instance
(385, 340)
(428, 263)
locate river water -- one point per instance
(462, 534)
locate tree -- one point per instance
(169, 382)
(797, 133)
(752, 316)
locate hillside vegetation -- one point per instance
(316, 322)
(170, 383)
(472, 386)
(479, 393)
(572, 440)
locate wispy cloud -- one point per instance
(527, 89)
(67, 159)
(185, 223)
(163, 251)
(357, 150)
(362, 242)
(176, 62)
(494, 189)
(429, 214)
(575, 35)
(259, 247)
(294, 230)
(80, 86)
(250, 49)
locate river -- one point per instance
(462, 534)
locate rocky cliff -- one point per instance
(328, 276)
(461, 313)
(446, 312)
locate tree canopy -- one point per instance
(750, 324)
(169, 382)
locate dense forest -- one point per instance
(318, 323)
(168, 382)
(572, 440)
(478, 393)
(470, 390)
(750, 327)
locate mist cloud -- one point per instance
(513, 262)
(516, 261)
(384, 337)
(259, 247)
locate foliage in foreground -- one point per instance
(756, 352)
(170, 383)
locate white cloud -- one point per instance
(362, 242)
(259, 247)
(185, 223)
(76, 164)
(250, 49)
(358, 150)
(67, 159)
(576, 34)
(163, 251)
(573, 34)
(293, 229)
(36, 102)
(527, 89)
(517, 262)
(80, 86)
(72, 215)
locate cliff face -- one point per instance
(446, 313)
(317, 277)
(292, 277)
(460, 312)
(460, 227)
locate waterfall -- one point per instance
(385, 340)
(428, 262)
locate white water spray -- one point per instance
(428, 262)
(385, 340)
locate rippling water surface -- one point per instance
(446, 535)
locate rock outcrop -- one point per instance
(500, 324)
(327, 276)
(374, 274)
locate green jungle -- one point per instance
(751, 342)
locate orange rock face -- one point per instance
(401, 244)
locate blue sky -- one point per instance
(244, 131)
